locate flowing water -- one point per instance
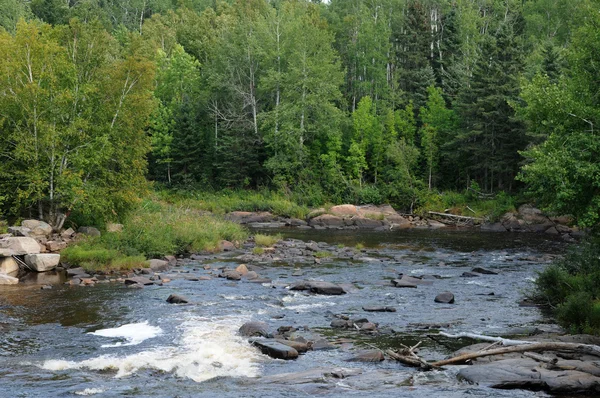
(112, 341)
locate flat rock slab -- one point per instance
(403, 284)
(296, 345)
(525, 373)
(139, 280)
(484, 271)
(275, 349)
(42, 262)
(18, 246)
(177, 299)
(8, 265)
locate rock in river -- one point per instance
(480, 270)
(177, 299)
(445, 298)
(275, 349)
(42, 262)
(378, 309)
(254, 328)
(319, 287)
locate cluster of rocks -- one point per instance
(381, 218)
(286, 344)
(531, 219)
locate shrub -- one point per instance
(571, 286)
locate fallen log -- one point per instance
(456, 218)
(492, 339)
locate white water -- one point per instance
(134, 333)
(207, 348)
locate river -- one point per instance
(111, 341)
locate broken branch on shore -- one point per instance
(457, 218)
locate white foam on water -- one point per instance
(307, 307)
(89, 391)
(208, 348)
(134, 333)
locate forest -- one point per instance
(359, 101)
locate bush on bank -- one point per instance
(571, 288)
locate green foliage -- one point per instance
(267, 240)
(571, 286)
(323, 254)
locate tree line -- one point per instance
(346, 101)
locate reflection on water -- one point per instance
(108, 340)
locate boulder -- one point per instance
(226, 246)
(232, 275)
(415, 281)
(55, 246)
(532, 214)
(495, 227)
(177, 299)
(89, 231)
(403, 283)
(19, 231)
(114, 227)
(254, 328)
(275, 349)
(368, 356)
(8, 280)
(37, 228)
(344, 210)
(8, 265)
(157, 265)
(445, 298)
(18, 246)
(251, 275)
(67, 233)
(242, 269)
(327, 221)
(367, 223)
(42, 262)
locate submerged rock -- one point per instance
(480, 270)
(177, 299)
(368, 356)
(379, 309)
(138, 280)
(319, 287)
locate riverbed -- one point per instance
(109, 340)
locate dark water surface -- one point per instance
(164, 350)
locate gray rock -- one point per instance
(177, 299)
(299, 346)
(322, 345)
(403, 283)
(367, 223)
(445, 298)
(495, 227)
(327, 221)
(90, 231)
(55, 246)
(67, 233)
(37, 228)
(341, 324)
(254, 328)
(42, 262)
(368, 356)
(138, 280)
(18, 246)
(275, 349)
(158, 265)
(469, 275)
(325, 288)
(232, 275)
(19, 231)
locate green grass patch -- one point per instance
(467, 204)
(359, 246)
(323, 254)
(257, 251)
(154, 230)
(267, 240)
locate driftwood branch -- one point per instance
(456, 218)
(475, 336)
(408, 357)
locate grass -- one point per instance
(468, 204)
(323, 254)
(267, 240)
(359, 246)
(257, 251)
(154, 230)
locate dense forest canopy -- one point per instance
(346, 100)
